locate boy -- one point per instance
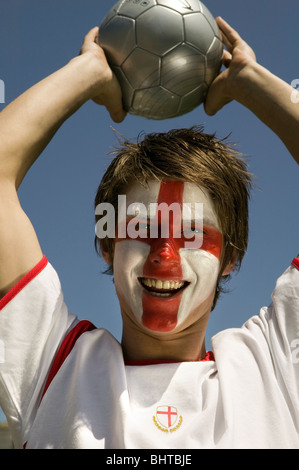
(65, 384)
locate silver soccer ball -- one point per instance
(165, 54)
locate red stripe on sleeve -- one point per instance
(296, 262)
(23, 282)
(65, 349)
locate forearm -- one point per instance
(28, 124)
(269, 98)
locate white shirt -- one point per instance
(246, 398)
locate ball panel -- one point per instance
(193, 99)
(152, 33)
(111, 13)
(182, 70)
(142, 69)
(211, 20)
(117, 39)
(134, 8)
(198, 31)
(214, 57)
(155, 103)
(127, 89)
(163, 64)
(182, 6)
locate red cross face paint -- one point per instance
(161, 275)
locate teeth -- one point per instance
(159, 284)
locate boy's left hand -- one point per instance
(237, 59)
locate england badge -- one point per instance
(167, 418)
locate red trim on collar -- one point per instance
(208, 357)
(23, 282)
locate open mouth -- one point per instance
(162, 288)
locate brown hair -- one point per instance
(186, 155)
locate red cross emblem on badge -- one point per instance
(167, 416)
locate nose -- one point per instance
(164, 252)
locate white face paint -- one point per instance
(159, 281)
(200, 267)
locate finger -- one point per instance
(229, 35)
(226, 42)
(226, 58)
(92, 35)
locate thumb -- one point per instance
(111, 98)
(117, 115)
(216, 99)
(114, 103)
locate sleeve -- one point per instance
(283, 317)
(280, 326)
(33, 323)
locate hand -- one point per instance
(237, 58)
(108, 91)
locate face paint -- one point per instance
(158, 279)
(163, 263)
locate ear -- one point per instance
(231, 265)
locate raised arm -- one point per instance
(247, 82)
(26, 127)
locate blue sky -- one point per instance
(38, 37)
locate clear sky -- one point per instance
(38, 37)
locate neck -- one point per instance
(186, 344)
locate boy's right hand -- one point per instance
(107, 92)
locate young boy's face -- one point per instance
(164, 279)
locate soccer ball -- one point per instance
(165, 54)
